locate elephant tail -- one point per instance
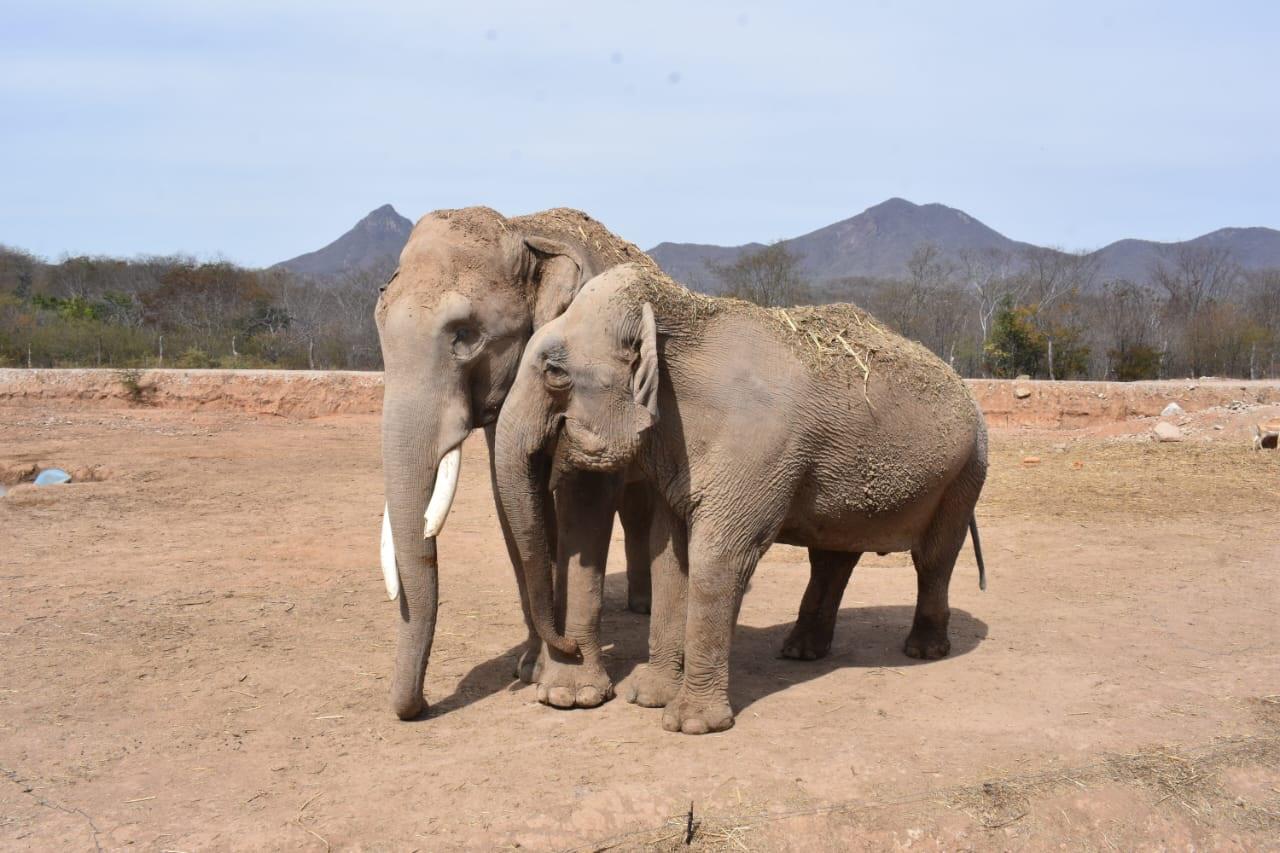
(977, 553)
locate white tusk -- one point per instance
(390, 573)
(442, 495)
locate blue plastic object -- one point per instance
(52, 477)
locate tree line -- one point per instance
(180, 312)
(1049, 314)
(1041, 312)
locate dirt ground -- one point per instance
(196, 650)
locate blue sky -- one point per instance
(256, 130)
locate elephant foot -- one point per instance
(529, 661)
(806, 641)
(574, 685)
(411, 708)
(927, 644)
(653, 687)
(695, 716)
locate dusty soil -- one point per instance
(196, 649)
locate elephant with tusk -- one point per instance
(810, 426)
(471, 287)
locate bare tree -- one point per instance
(986, 273)
(769, 277)
(1193, 277)
(1050, 278)
(1262, 303)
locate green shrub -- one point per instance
(1134, 363)
(195, 359)
(131, 380)
(1015, 345)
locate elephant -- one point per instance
(470, 289)
(812, 426)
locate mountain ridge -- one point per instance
(376, 238)
(876, 243)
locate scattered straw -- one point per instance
(565, 224)
(831, 340)
(1185, 779)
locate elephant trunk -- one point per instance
(524, 488)
(409, 460)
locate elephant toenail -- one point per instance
(694, 727)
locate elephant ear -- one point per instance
(644, 371)
(555, 277)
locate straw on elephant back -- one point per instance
(838, 341)
(563, 224)
(567, 224)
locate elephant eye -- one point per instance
(556, 377)
(465, 342)
(384, 287)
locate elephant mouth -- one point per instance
(580, 448)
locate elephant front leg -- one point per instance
(584, 508)
(717, 577)
(657, 682)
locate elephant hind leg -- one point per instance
(636, 512)
(829, 573)
(935, 558)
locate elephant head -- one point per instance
(585, 395)
(470, 289)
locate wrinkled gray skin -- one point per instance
(745, 445)
(470, 289)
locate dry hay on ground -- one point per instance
(1189, 780)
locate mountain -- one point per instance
(375, 240)
(1252, 248)
(878, 242)
(687, 262)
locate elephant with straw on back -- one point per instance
(811, 426)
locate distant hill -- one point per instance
(1252, 248)
(375, 240)
(878, 242)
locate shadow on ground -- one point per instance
(865, 637)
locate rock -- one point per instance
(1217, 426)
(1167, 432)
(1172, 411)
(52, 477)
(1022, 377)
(1061, 447)
(1022, 392)
(1031, 460)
